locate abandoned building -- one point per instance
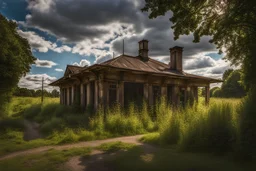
(126, 79)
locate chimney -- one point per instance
(143, 49)
(176, 58)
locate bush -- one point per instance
(14, 124)
(52, 125)
(33, 111)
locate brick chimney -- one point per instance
(143, 49)
(176, 58)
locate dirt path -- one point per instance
(31, 130)
(128, 139)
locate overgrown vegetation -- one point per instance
(215, 128)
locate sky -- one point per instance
(85, 32)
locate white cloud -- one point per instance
(44, 63)
(34, 81)
(82, 63)
(59, 70)
(40, 44)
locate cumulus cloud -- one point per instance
(44, 63)
(34, 81)
(82, 63)
(99, 27)
(200, 61)
(40, 44)
(59, 70)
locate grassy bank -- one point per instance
(200, 127)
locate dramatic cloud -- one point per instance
(82, 63)
(59, 70)
(40, 44)
(199, 62)
(44, 63)
(34, 81)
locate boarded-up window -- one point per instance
(112, 94)
(156, 94)
(169, 94)
(133, 92)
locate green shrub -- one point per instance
(52, 125)
(76, 120)
(32, 111)
(14, 124)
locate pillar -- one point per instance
(196, 94)
(101, 92)
(150, 95)
(82, 95)
(207, 95)
(146, 92)
(164, 92)
(121, 93)
(73, 94)
(96, 94)
(68, 102)
(175, 95)
(88, 95)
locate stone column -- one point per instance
(175, 93)
(146, 89)
(82, 95)
(121, 93)
(150, 95)
(207, 95)
(164, 92)
(101, 92)
(73, 94)
(68, 102)
(88, 94)
(96, 95)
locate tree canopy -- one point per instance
(15, 59)
(232, 85)
(231, 23)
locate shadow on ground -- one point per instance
(146, 157)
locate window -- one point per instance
(112, 94)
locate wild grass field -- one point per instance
(212, 127)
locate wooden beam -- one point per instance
(207, 95)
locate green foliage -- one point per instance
(14, 124)
(15, 60)
(115, 146)
(232, 85)
(54, 124)
(24, 92)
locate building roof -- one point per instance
(137, 64)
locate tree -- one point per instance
(212, 90)
(226, 74)
(232, 25)
(15, 59)
(232, 86)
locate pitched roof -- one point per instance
(136, 64)
(73, 69)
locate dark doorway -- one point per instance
(169, 95)
(92, 93)
(112, 94)
(85, 94)
(77, 94)
(156, 94)
(182, 97)
(65, 96)
(133, 92)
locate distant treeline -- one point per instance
(24, 92)
(232, 86)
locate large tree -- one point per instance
(232, 25)
(15, 59)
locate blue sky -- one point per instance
(63, 32)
